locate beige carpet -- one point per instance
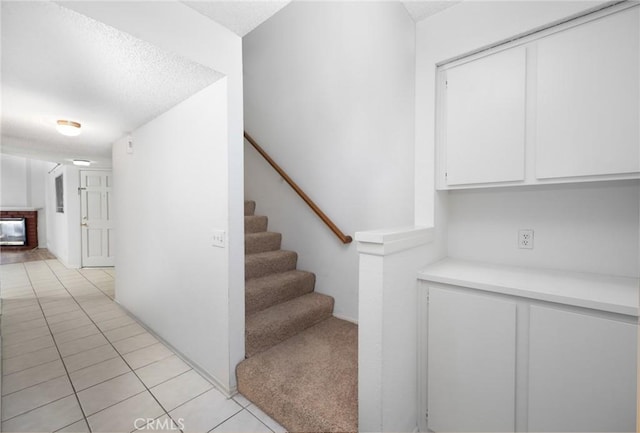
(308, 383)
(302, 362)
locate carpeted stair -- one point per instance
(302, 363)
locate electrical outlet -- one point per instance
(218, 239)
(525, 239)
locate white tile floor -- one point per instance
(74, 361)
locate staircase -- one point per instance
(302, 363)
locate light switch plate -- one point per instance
(219, 239)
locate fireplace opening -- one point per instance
(13, 231)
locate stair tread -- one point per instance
(269, 262)
(249, 207)
(261, 234)
(308, 382)
(286, 310)
(269, 254)
(255, 223)
(261, 242)
(270, 280)
(270, 326)
(302, 366)
(264, 292)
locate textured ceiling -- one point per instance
(420, 10)
(238, 16)
(59, 64)
(242, 16)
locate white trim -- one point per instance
(423, 347)
(229, 393)
(390, 241)
(613, 294)
(534, 35)
(345, 318)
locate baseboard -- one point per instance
(348, 319)
(214, 381)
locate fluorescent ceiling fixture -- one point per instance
(82, 162)
(68, 128)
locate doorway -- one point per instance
(96, 214)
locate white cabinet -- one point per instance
(579, 372)
(588, 93)
(510, 350)
(485, 121)
(561, 105)
(472, 361)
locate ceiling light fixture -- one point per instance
(68, 128)
(82, 162)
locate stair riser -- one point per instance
(255, 224)
(256, 267)
(260, 244)
(249, 207)
(260, 338)
(263, 297)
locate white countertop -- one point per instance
(599, 292)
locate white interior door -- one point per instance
(96, 214)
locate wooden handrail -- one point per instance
(346, 239)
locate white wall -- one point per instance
(440, 38)
(13, 170)
(37, 196)
(63, 228)
(329, 94)
(181, 30)
(456, 31)
(591, 227)
(23, 185)
(388, 381)
(170, 194)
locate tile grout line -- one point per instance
(27, 353)
(41, 406)
(35, 384)
(121, 356)
(58, 349)
(134, 371)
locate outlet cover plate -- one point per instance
(525, 239)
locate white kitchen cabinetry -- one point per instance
(588, 93)
(514, 349)
(486, 119)
(579, 368)
(560, 105)
(472, 361)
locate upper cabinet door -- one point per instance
(587, 99)
(485, 119)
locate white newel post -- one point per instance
(387, 339)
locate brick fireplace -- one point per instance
(31, 222)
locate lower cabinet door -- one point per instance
(582, 372)
(471, 362)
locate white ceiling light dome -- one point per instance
(69, 128)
